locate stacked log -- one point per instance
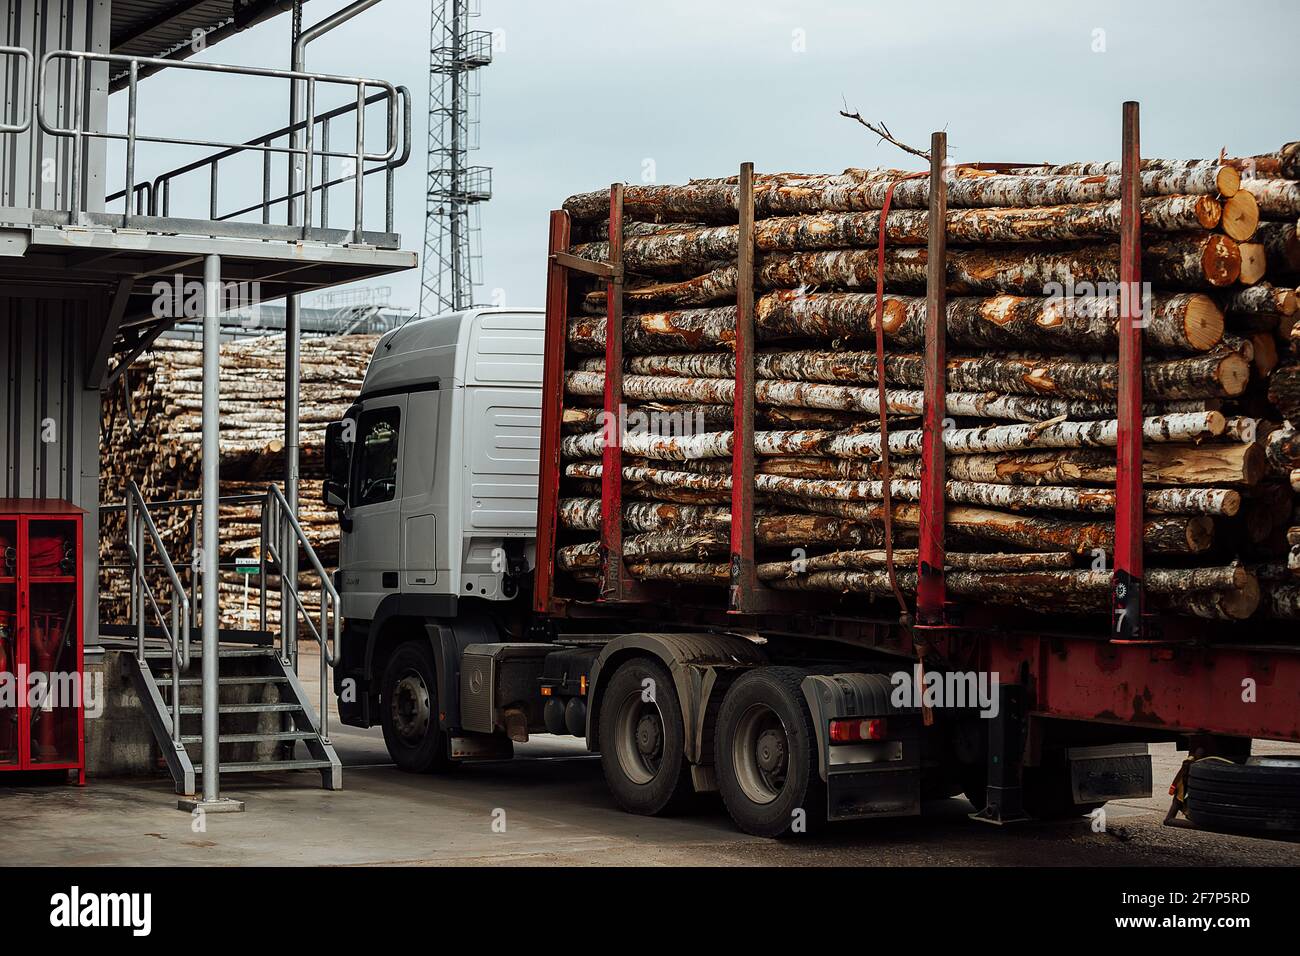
(152, 434)
(1032, 383)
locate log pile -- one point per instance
(152, 433)
(1032, 383)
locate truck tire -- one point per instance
(408, 710)
(1260, 795)
(765, 752)
(643, 740)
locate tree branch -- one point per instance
(885, 135)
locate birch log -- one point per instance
(719, 202)
(846, 230)
(1184, 322)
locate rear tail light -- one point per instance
(848, 730)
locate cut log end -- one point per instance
(1234, 374)
(1240, 216)
(1203, 322)
(1228, 181)
(1221, 261)
(1252, 258)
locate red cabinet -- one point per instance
(42, 693)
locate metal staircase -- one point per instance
(263, 709)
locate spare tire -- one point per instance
(1260, 795)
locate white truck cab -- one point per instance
(434, 468)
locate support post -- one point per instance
(744, 577)
(548, 489)
(1127, 600)
(611, 487)
(289, 556)
(1004, 795)
(212, 800)
(930, 590)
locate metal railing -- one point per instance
(281, 536)
(26, 124)
(281, 532)
(139, 523)
(147, 196)
(191, 524)
(153, 197)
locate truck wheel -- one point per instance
(643, 741)
(766, 755)
(409, 711)
(1260, 795)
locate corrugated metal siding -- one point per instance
(43, 345)
(42, 26)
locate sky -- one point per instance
(583, 93)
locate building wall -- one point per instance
(27, 180)
(49, 442)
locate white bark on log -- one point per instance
(720, 202)
(1200, 377)
(1187, 501)
(1262, 297)
(1179, 465)
(1277, 198)
(1183, 322)
(1183, 427)
(846, 230)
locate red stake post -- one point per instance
(1127, 588)
(548, 486)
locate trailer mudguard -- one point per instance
(701, 665)
(868, 779)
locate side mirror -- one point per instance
(333, 495)
(334, 491)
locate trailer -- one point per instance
(460, 638)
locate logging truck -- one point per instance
(797, 708)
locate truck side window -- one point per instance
(375, 454)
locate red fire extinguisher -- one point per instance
(8, 716)
(48, 629)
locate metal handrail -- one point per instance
(158, 190)
(23, 54)
(280, 532)
(138, 523)
(193, 504)
(133, 63)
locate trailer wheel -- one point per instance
(766, 755)
(643, 740)
(1262, 794)
(409, 711)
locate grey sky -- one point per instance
(585, 92)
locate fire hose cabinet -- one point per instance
(42, 719)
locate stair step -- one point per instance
(165, 654)
(166, 680)
(242, 708)
(252, 738)
(268, 766)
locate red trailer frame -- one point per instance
(1168, 675)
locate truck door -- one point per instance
(371, 549)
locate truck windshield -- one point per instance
(376, 456)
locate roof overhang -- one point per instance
(127, 267)
(166, 29)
